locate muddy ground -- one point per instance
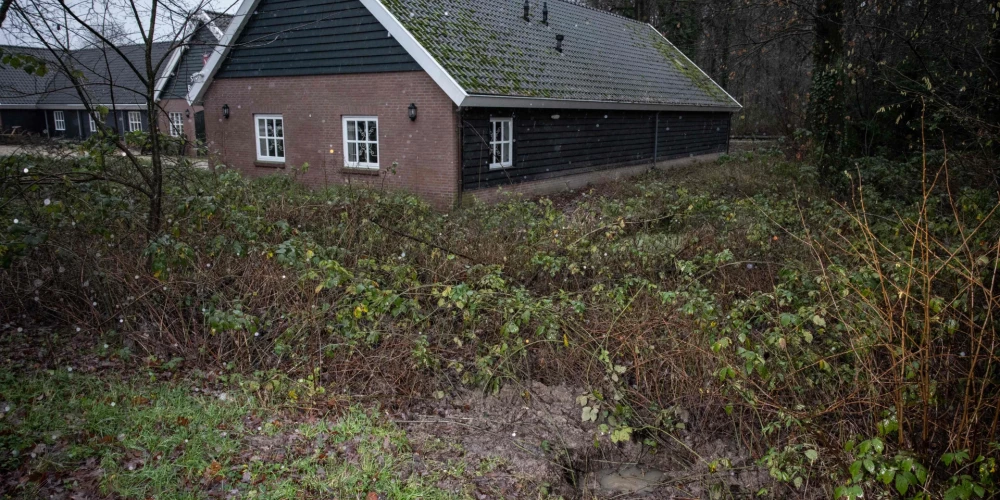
(527, 440)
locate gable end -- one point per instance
(313, 37)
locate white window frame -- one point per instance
(176, 120)
(134, 121)
(93, 124)
(348, 142)
(505, 143)
(263, 155)
(60, 118)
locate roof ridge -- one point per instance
(600, 11)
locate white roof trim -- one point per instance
(210, 22)
(491, 101)
(688, 59)
(168, 72)
(175, 59)
(416, 51)
(219, 53)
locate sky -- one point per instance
(118, 12)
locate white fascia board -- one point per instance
(489, 101)
(216, 32)
(417, 51)
(175, 58)
(688, 59)
(168, 72)
(219, 53)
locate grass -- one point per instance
(69, 432)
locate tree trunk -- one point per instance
(4, 7)
(826, 103)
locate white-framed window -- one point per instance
(361, 141)
(93, 124)
(60, 118)
(270, 138)
(501, 142)
(134, 121)
(176, 124)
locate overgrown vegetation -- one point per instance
(849, 346)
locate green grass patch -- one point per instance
(66, 432)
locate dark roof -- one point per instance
(489, 49)
(108, 77)
(202, 41)
(18, 87)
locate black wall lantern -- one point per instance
(413, 112)
(187, 113)
(225, 111)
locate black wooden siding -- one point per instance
(552, 143)
(314, 37)
(202, 43)
(27, 120)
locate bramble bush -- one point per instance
(852, 343)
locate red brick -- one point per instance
(425, 151)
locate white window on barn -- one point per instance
(361, 141)
(60, 118)
(501, 142)
(270, 138)
(93, 124)
(134, 121)
(176, 124)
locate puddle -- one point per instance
(625, 479)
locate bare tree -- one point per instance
(159, 28)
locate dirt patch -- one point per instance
(531, 440)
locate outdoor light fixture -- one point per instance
(413, 112)
(225, 111)
(187, 113)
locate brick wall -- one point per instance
(168, 106)
(426, 151)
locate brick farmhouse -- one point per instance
(452, 99)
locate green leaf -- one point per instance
(902, 484)
(869, 465)
(878, 445)
(855, 470)
(887, 476)
(787, 319)
(812, 455)
(819, 321)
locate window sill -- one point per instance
(269, 164)
(360, 170)
(497, 166)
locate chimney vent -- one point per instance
(545, 13)
(527, 10)
(559, 40)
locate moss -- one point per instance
(685, 67)
(479, 60)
